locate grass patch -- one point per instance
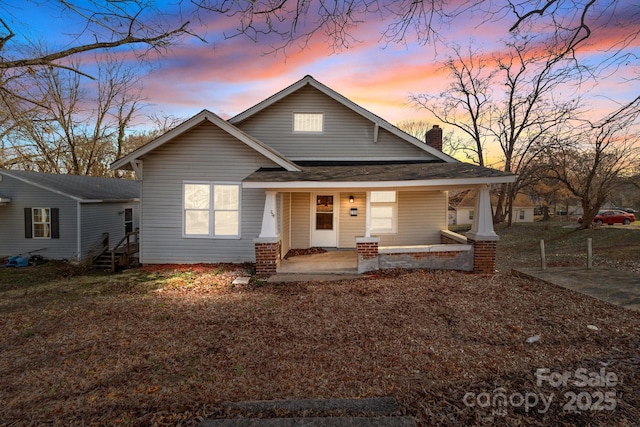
(519, 245)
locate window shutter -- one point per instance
(55, 227)
(28, 229)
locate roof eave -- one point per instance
(443, 182)
(89, 201)
(44, 187)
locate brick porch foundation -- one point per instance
(367, 248)
(484, 256)
(267, 257)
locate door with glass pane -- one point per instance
(324, 220)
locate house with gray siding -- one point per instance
(304, 168)
(63, 216)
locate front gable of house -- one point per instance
(203, 152)
(206, 138)
(307, 124)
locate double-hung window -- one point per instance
(41, 223)
(384, 212)
(308, 122)
(211, 209)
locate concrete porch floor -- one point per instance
(332, 261)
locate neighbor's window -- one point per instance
(471, 214)
(383, 212)
(308, 122)
(211, 210)
(41, 223)
(128, 220)
(521, 214)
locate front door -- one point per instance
(324, 231)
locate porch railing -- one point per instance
(99, 247)
(122, 252)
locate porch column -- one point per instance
(267, 245)
(482, 236)
(367, 248)
(269, 216)
(367, 216)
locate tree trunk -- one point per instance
(588, 213)
(545, 213)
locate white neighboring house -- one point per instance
(63, 216)
(464, 212)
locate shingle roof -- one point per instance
(83, 188)
(381, 172)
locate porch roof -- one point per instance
(391, 174)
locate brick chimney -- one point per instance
(433, 137)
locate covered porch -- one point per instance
(390, 223)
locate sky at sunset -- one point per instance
(229, 76)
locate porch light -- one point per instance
(351, 199)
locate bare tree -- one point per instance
(598, 158)
(520, 119)
(529, 113)
(286, 22)
(70, 130)
(105, 25)
(466, 102)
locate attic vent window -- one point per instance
(308, 122)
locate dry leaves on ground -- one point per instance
(165, 345)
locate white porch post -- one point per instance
(367, 219)
(269, 216)
(267, 244)
(482, 236)
(482, 227)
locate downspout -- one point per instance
(79, 230)
(290, 202)
(140, 233)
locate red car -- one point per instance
(612, 216)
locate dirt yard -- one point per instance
(166, 345)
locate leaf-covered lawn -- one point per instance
(167, 345)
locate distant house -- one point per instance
(63, 216)
(465, 210)
(306, 167)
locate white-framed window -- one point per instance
(384, 212)
(522, 214)
(471, 214)
(308, 122)
(211, 209)
(41, 223)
